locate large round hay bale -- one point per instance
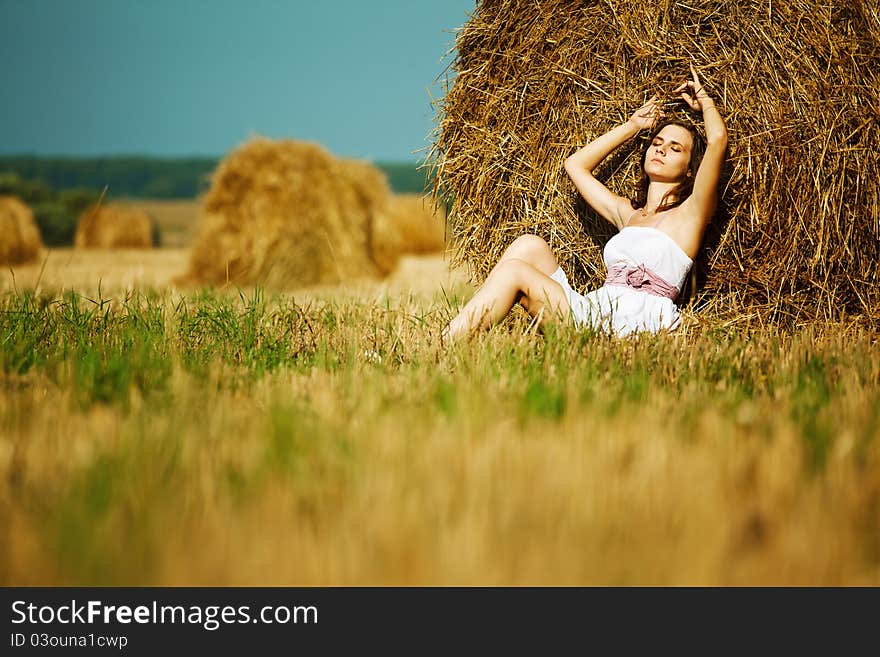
(420, 223)
(286, 214)
(798, 230)
(373, 195)
(20, 241)
(113, 226)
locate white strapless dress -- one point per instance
(622, 310)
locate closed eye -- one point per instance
(674, 146)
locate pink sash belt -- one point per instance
(642, 279)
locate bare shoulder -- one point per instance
(686, 227)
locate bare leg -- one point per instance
(511, 281)
(533, 250)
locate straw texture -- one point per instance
(797, 233)
(286, 214)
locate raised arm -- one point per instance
(704, 198)
(580, 165)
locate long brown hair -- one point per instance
(682, 190)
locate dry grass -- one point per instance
(717, 457)
(121, 271)
(86, 270)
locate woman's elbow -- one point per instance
(573, 166)
(717, 137)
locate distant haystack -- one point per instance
(113, 227)
(20, 241)
(373, 196)
(287, 214)
(419, 222)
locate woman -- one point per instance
(648, 260)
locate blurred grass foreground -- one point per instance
(214, 439)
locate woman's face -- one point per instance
(669, 155)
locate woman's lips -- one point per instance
(656, 159)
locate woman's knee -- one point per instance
(534, 250)
(528, 244)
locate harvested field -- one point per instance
(325, 431)
(324, 439)
(116, 270)
(84, 270)
(177, 219)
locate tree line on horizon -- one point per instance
(59, 189)
(161, 178)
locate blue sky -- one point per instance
(198, 77)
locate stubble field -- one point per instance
(154, 435)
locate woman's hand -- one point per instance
(647, 115)
(695, 96)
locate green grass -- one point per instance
(200, 439)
